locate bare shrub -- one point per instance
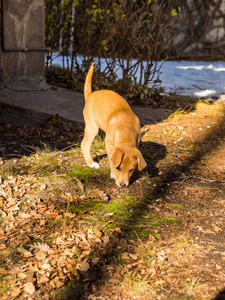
(126, 35)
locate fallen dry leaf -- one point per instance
(108, 215)
(29, 288)
(46, 267)
(79, 184)
(43, 279)
(125, 256)
(42, 246)
(2, 246)
(84, 266)
(56, 283)
(105, 239)
(21, 276)
(117, 229)
(27, 254)
(151, 272)
(2, 271)
(40, 255)
(15, 291)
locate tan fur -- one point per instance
(111, 113)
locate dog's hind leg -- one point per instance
(90, 133)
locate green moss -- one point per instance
(118, 207)
(4, 286)
(176, 227)
(120, 211)
(94, 204)
(154, 223)
(137, 214)
(127, 196)
(156, 235)
(176, 205)
(167, 220)
(83, 174)
(78, 167)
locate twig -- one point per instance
(213, 243)
(218, 252)
(203, 179)
(200, 187)
(192, 284)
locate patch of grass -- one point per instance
(182, 297)
(147, 252)
(4, 286)
(156, 235)
(119, 210)
(71, 291)
(93, 205)
(78, 167)
(177, 114)
(168, 220)
(134, 285)
(183, 242)
(83, 174)
(176, 206)
(98, 143)
(129, 213)
(176, 227)
(46, 161)
(154, 223)
(127, 196)
(8, 168)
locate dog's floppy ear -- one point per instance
(117, 157)
(141, 162)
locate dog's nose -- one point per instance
(122, 184)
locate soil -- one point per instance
(183, 187)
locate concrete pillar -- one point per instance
(22, 55)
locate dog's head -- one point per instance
(124, 162)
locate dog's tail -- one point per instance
(87, 85)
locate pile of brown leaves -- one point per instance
(37, 258)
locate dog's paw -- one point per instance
(112, 175)
(95, 165)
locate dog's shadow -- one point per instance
(152, 153)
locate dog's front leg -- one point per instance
(110, 151)
(112, 171)
(89, 134)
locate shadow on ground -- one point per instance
(220, 296)
(210, 142)
(55, 133)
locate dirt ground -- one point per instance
(163, 237)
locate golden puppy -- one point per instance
(111, 113)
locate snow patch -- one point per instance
(188, 78)
(205, 93)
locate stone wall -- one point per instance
(22, 44)
(199, 31)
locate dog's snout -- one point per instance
(122, 184)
